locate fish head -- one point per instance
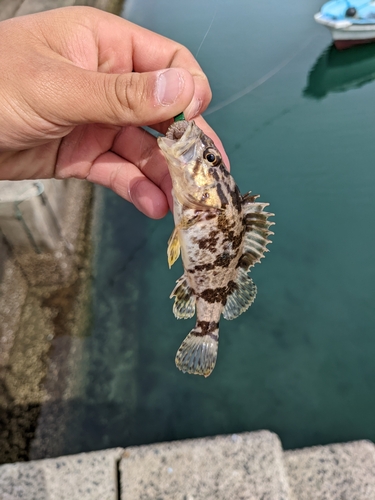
(193, 161)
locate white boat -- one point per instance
(351, 22)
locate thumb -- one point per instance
(121, 99)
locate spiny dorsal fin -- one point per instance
(242, 296)
(257, 231)
(184, 302)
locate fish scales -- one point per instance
(220, 235)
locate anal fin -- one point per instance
(184, 303)
(242, 296)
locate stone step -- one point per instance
(335, 472)
(86, 476)
(246, 466)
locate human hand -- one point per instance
(76, 86)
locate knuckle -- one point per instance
(130, 94)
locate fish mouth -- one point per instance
(177, 130)
(180, 140)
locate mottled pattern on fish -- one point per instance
(220, 234)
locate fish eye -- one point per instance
(212, 156)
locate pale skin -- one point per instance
(76, 86)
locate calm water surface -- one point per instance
(297, 120)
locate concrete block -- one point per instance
(43, 222)
(86, 476)
(29, 215)
(246, 466)
(13, 291)
(335, 472)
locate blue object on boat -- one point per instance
(337, 10)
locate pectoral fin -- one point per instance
(174, 247)
(173, 251)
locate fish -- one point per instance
(219, 234)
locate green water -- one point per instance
(300, 361)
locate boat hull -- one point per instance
(345, 34)
(346, 44)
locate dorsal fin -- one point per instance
(257, 231)
(257, 226)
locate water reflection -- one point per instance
(301, 361)
(340, 71)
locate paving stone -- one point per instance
(86, 476)
(245, 466)
(335, 472)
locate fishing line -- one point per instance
(259, 82)
(181, 116)
(208, 30)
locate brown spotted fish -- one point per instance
(220, 235)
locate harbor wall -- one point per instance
(45, 252)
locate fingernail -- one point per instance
(193, 109)
(169, 85)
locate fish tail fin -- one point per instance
(198, 352)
